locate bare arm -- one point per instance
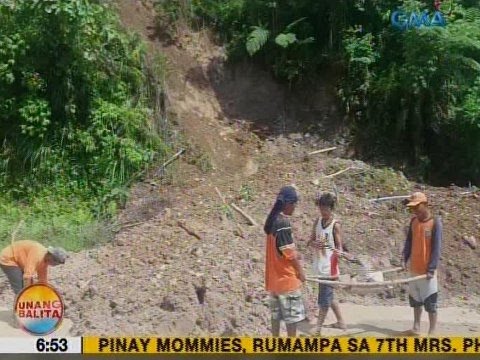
(313, 234)
(298, 267)
(338, 237)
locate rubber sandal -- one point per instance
(337, 326)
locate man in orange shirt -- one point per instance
(283, 273)
(421, 256)
(23, 260)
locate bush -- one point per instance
(75, 113)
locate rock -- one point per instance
(256, 257)
(184, 325)
(234, 322)
(136, 262)
(90, 292)
(120, 242)
(382, 262)
(295, 136)
(198, 252)
(167, 304)
(228, 332)
(470, 241)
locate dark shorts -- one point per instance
(430, 303)
(325, 296)
(15, 277)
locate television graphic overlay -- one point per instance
(39, 309)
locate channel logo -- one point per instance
(39, 309)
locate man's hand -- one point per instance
(27, 281)
(430, 274)
(347, 255)
(301, 276)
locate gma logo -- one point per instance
(404, 21)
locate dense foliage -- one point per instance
(411, 94)
(75, 118)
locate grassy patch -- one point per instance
(57, 222)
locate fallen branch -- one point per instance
(220, 195)
(239, 228)
(322, 151)
(174, 157)
(400, 197)
(189, 232)
(168, 162)
(245, 215)
(338, 173)
(466, 193)
(126, 226)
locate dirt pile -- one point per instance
(206, 276)
(149, 280)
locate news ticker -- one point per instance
(245, 345)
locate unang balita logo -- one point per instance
(39, 309)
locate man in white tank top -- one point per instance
(326, 241)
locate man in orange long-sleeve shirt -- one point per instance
(23, 260)
(421, 256)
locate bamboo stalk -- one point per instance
(337, 173)
(390, 198)
(322, 151)
(367, 284)
(336, 277)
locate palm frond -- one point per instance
(257, 39)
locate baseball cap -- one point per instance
(59, 254)
(417, 198)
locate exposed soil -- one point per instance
(158, 278)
